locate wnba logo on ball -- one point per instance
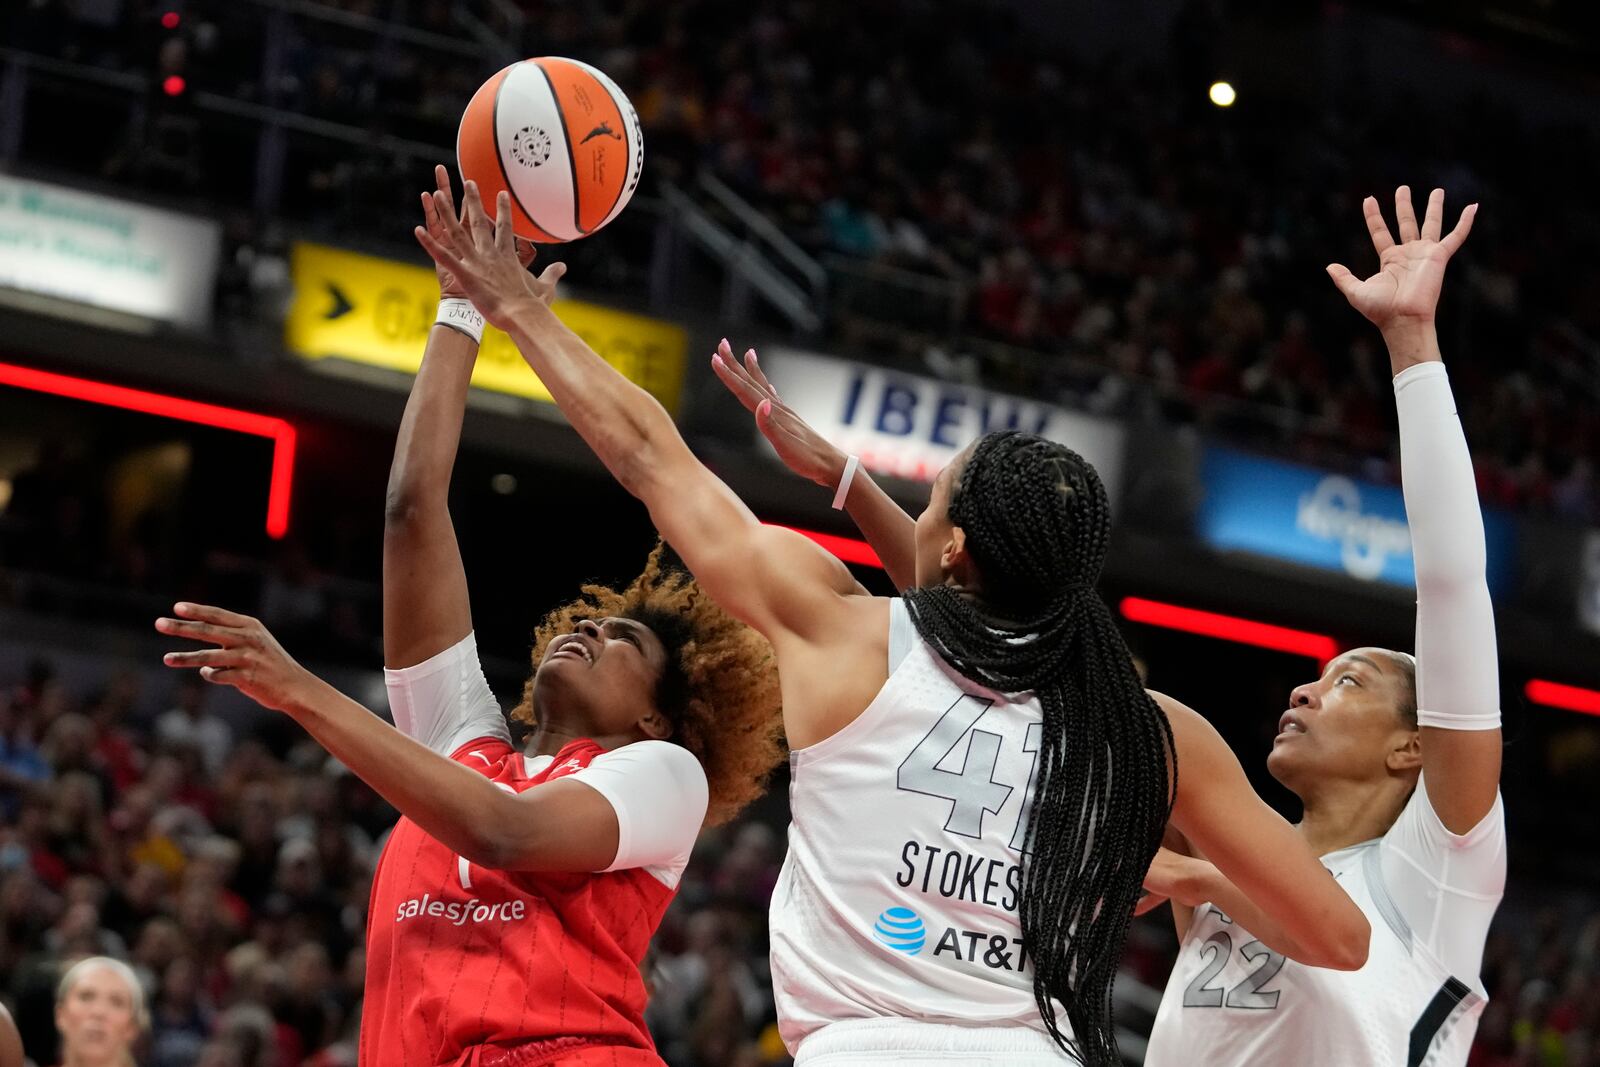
(531, 146)
(902, 930)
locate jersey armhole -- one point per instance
(1493, 819)
(902, 634)
(460, 751)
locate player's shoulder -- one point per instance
(665, 756)
(1191, 732)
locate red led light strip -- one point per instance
(1566, 697)
(846, 548)
(1320, 647)
(280, 431)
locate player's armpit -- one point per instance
(1462, 768)
(777, 581)
(1303, 912)
(563, 825)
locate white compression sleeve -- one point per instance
(1458, 668)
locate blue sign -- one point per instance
(1321, 519)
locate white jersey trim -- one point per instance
(445, 701)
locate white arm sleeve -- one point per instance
(659, 793)
(445, 701)
(1446, 885)
(1458, 667)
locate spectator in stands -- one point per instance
(100, 1013)
(189, 725)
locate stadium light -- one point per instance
(1566, 697)
(1320, 647)
(1222, 94)
(280, 431)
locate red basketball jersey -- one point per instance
(470, 967)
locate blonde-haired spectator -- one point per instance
(100, 1013)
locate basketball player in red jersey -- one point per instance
(513, 905)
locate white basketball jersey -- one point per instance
(1233, 1002)
(898, 898)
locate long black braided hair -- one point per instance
(1037, 526)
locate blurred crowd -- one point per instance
(1092, 230)
(231, 869)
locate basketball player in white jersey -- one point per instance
(979, 780)
(1396, 760)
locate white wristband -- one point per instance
(844, 483)
(459, 314)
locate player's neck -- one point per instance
(547, 740)
(1347, 813)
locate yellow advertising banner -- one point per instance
(377, 311)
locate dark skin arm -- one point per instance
(425, 603)
(1293, 904)
(10, 1041)
(778, 582)
(884, 523)
(560, 826)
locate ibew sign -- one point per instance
(910, 426)
(1313, 517)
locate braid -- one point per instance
(1037, 526)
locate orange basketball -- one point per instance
(561, 138)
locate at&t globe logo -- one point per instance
(902, 930)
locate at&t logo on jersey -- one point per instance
(902, 930)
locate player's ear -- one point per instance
(655, 726)
(954, 559)
(1407, 755)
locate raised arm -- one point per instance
(1458, 678)
(777, 581)
(425, 605)
(1284, 896)
(885, 524)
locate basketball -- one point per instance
(561, 138)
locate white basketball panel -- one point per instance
(534, 151)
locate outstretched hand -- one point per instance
(247, 656)
(802, 449)
(1405, 290)
(482, 256)
(432, 203)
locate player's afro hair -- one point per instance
(720, 688)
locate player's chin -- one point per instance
(1285, 761)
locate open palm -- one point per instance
(1410, 273)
